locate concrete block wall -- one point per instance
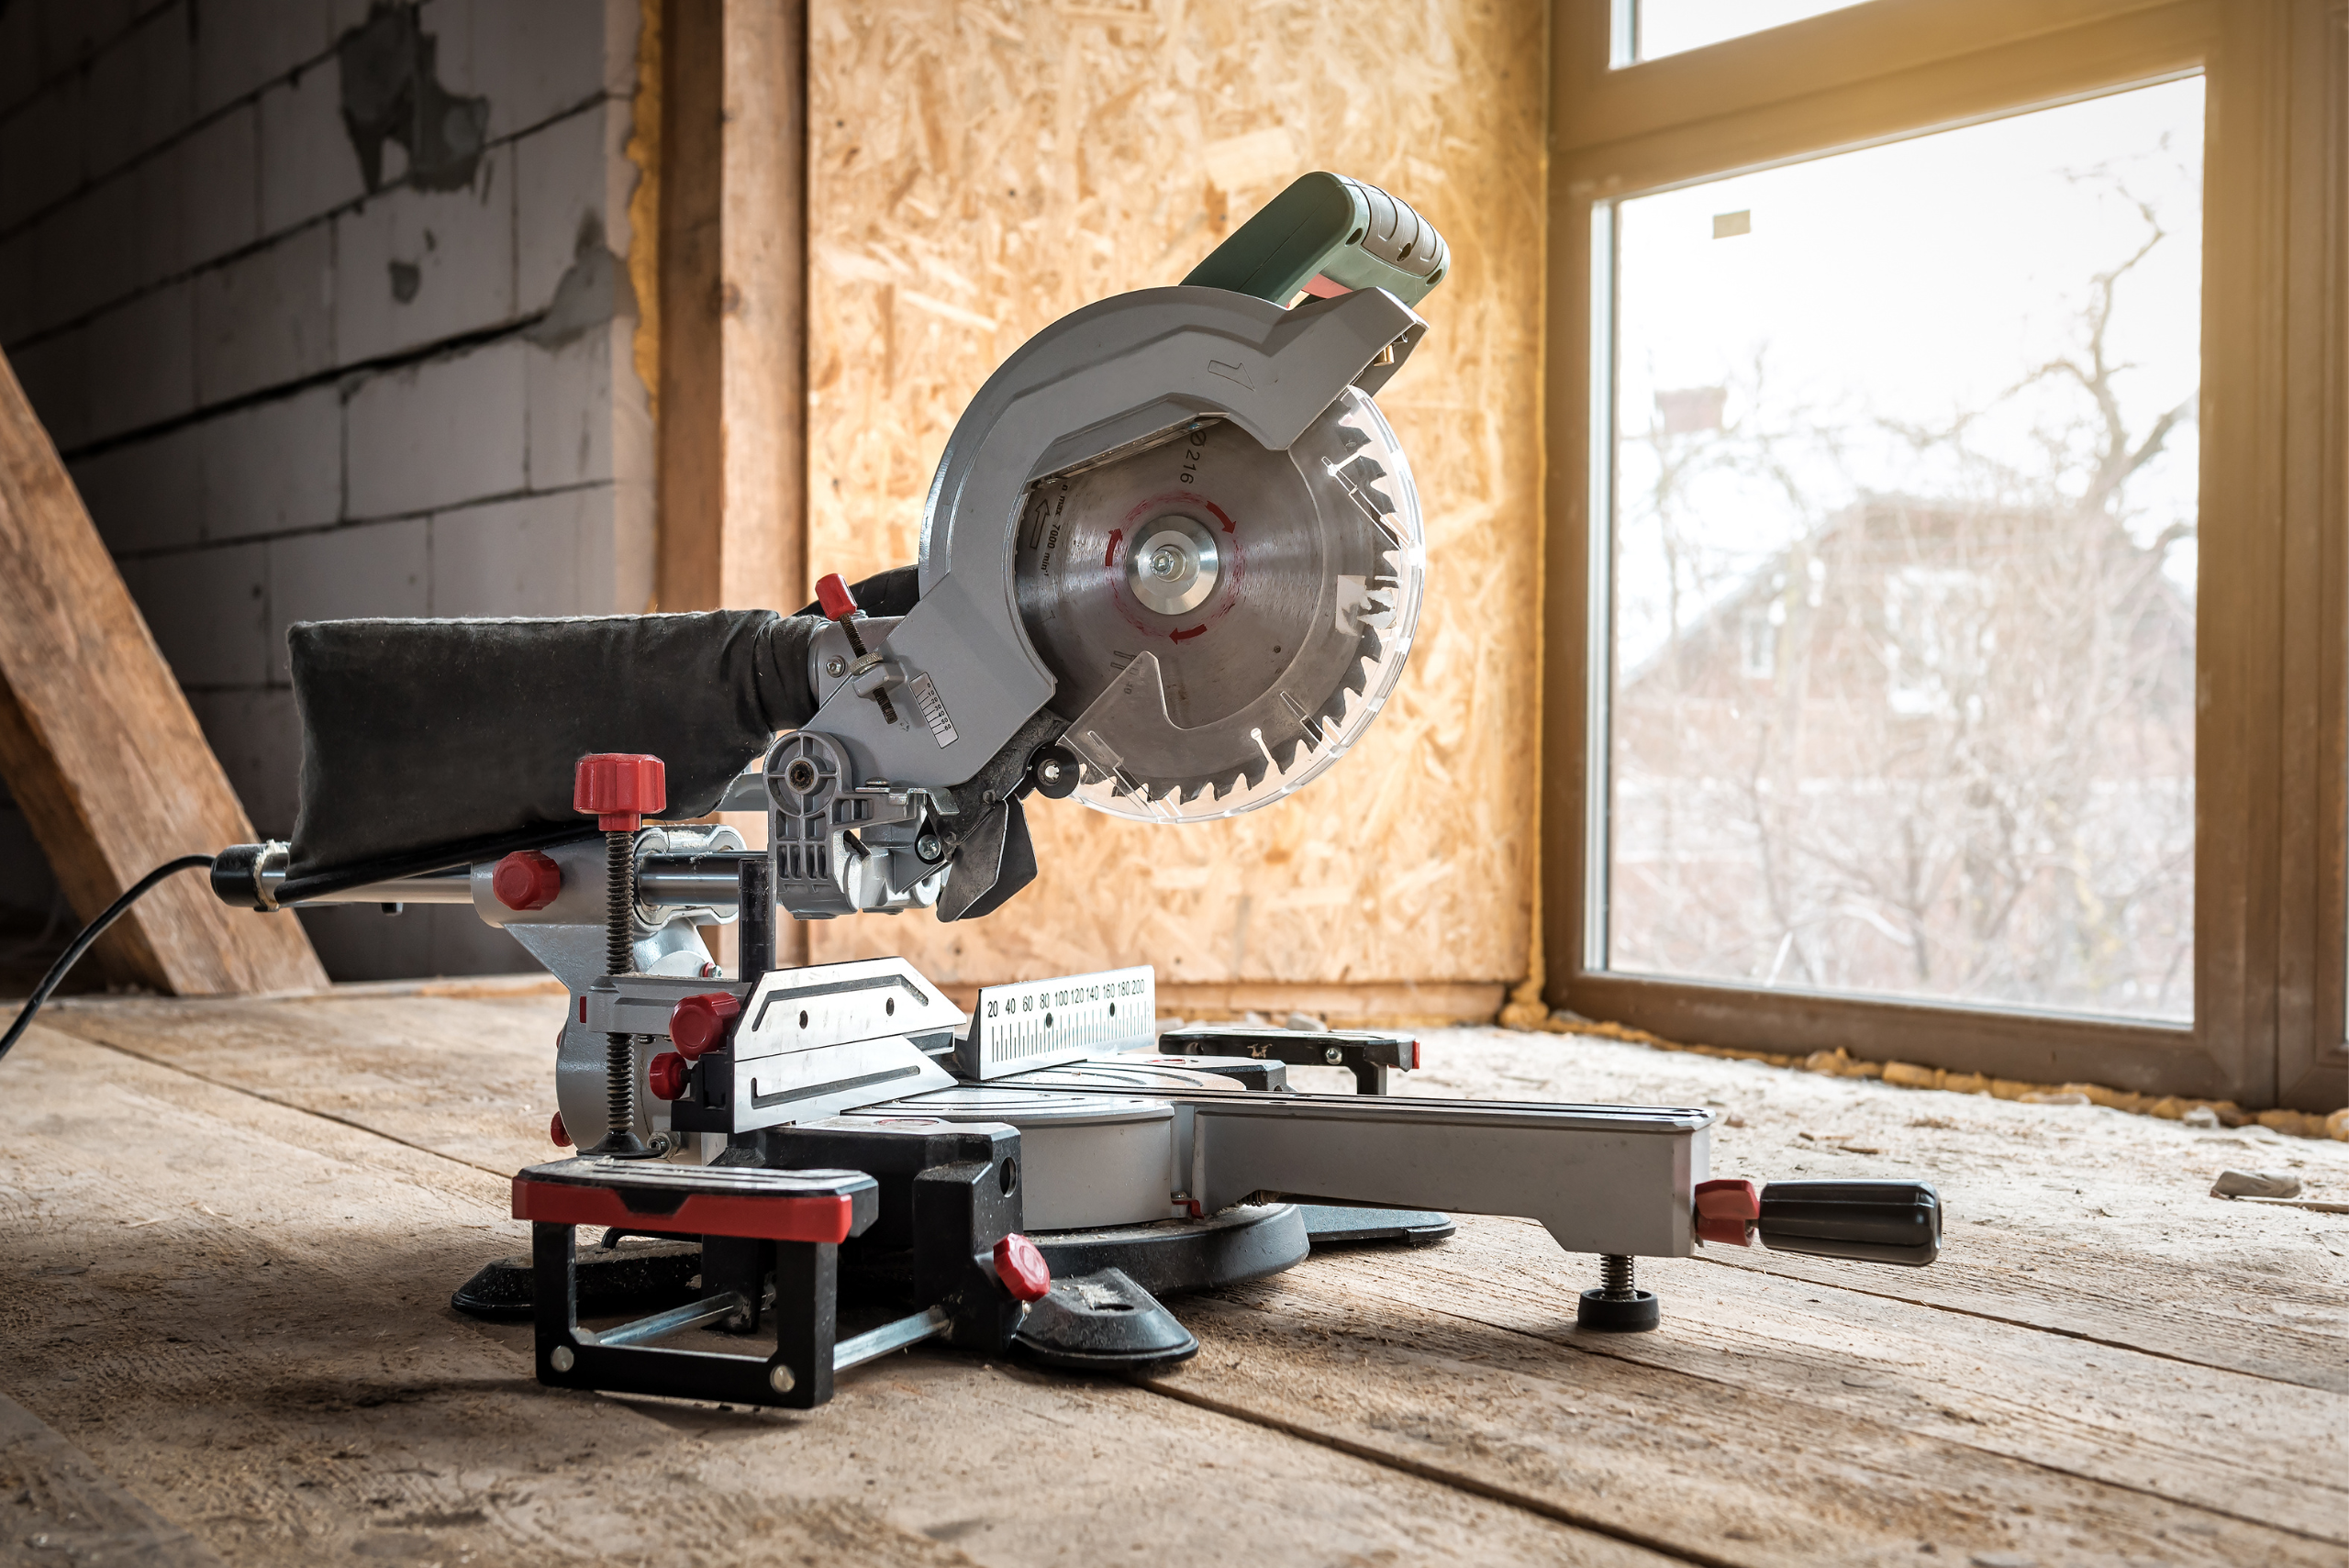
(326, 304)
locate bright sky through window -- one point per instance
(1670, 27)
(1926, 412)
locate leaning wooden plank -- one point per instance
(1688, 1462)
(100, 749)
(242, 1313)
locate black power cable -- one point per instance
(90, 934)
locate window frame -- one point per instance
(2271, 640)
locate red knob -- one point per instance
(668, 1075)
(699, 1023)
(619, 789)
(560, 1133)
(1726, 1211)
(526, 880)
(833, 594)
(1021, 1268)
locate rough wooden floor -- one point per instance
(231, 1228)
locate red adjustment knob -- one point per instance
(1726, 1211)
(619, 789)
(833, 595)
(560, 1133)
(668, 1074)
(697, 1024)
(526, 880)
(1021, 1268)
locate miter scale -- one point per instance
(1170, 565)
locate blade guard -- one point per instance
(1155, 360)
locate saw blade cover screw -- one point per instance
(1056, 772)
(836, 666)
(526, 880)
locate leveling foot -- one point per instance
(1617, 1306)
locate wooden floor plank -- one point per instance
(2169, 1269)
(240, 1311)
(55, 1504)
(1698, 1467)
(470, 1078)
(2194, 1434)
(2098, 1331)
(2293, 1330)
(2081, 1220)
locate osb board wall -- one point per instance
(980, 169)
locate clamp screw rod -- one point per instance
(1615, 1276)
(620, 1049)
(619, 789)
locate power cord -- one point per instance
(90, 934)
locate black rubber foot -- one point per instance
(630, 1279)
(1327, 1225)
(1175, 1255)
(1102, 1322)
(1606, 1315)
(625, 1147)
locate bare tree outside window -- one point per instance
(1903, 642)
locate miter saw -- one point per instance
(1170, 565)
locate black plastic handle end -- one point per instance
(1877, 1222)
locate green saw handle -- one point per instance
(1326, 234)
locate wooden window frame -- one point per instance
(2272, 738)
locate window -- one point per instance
(1894, 701)
(1948, 444)
(1649, 29)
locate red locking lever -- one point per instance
(839, 608)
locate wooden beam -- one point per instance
(733, 269)
(687, 436)
(732, 411)
(101, 750)
(762, 302)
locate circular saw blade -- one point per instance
(1316, 560)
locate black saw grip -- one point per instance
(1878, 1222)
